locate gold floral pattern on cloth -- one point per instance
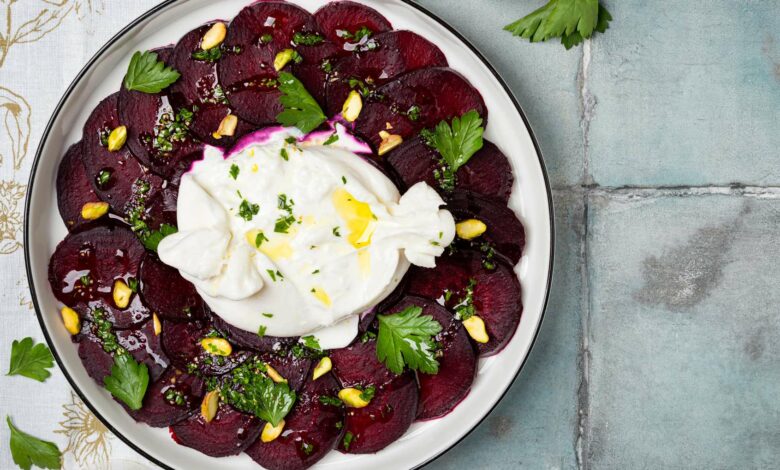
(88, 439)
(15, 125)
(50, 15)
(11, 201)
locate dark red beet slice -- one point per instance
(196, 90)
(161, 208)
(181, 342)
(167, 293)
(117, 177)
(505, 232)
(294, 369)
(96, 361)
(172, 398)
(384, 420)
(85, 265)
(74, 189)
(229, 433)
(248, 75)
(140, 343)
(147, 115)
(437, 93)
(440, 393)
(313, 70)
(395, 53)
(247, 339)
(336, 18)
(145, 347)
(487, 172)
(311, 430)
(496, 295)
(357, 365)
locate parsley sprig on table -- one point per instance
(405, 339)
(147, 74)
(457, 143)
(30, 361)
(300, 108)
(27, 450)
(571, 20)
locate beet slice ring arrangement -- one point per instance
(117, 195)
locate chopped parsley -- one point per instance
(259, 239)
(488, 255)
(284, 222)
(332, 401)
(275, 275)
(234, 171)
(336, 231)
(368, 393)
(311, 343)
(331, 139)
(102, 177)
(248, 389)
(413, 113)
(307, 39)
(248, 210)
(261, 330)
(307, 448)
(348, 437)
(465, 308)
(132, 283)
(284, 154)
(344, 179)
(268, 315)
(360, 33)
(360, 85)
(266, 38)
(209, 55)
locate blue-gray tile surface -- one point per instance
(662, 139)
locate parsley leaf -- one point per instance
(153, 239)
(300, 109)
(311, 343)
(458, 142)
(252, 392)
(406, 339)
(147, 74)
(128, 380)
(27, 450)
(234, 171)
(571, 20)
(247, 210)
(209, 55)
(30, 361)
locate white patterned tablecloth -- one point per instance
(43, 45)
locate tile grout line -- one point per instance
(588, 105)
(648, 192)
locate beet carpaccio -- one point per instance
(284, 401)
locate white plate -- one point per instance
(507, 127)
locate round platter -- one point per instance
(508, 128)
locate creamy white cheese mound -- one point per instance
(291, 237)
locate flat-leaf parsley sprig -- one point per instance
(571, 20)
(149, 75)
(405, 339)
(456, 143)
(300, 108)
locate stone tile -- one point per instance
(687, 93)
(684, 332)
(542, 76)
(535, 424)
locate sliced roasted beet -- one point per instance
(161, 208)
(436, 94)
(313, 70)
(229, 433)
(487, 172)
(156, 135)
(357, 365)
(85, 265)
(496, 293)
(441, 392)
(170, 399)
(197, 90)
(74, 189)
(248, 339)
(167, 293)
(294, 369)
(392, 54)
(505, 232)
(96, 360)
(117, 177)
(181, 342)
(339, 21)
(386, 418)
(254, 37)
(140, 343)
(311, 430)
(145, 347)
